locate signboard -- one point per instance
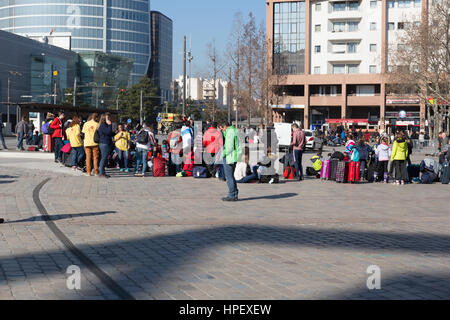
(402, 101)
(288, 106)
(158, 119)
(284, 133)
(350, 121)
(130, 121)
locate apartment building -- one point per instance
(330, 57)
(200, 89)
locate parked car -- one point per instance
(313, 141)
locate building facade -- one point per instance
(202, 90)
(330, 58)
(160, 69)
(120, 27)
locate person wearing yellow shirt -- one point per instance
(90, 146)
(122, 140)
(73, 133)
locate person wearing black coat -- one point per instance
(364, 155)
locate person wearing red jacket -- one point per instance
(213, 142)
(57, 135)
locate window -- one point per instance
(318, 7)
(338, 26)
(318, 28)
(353, 26)
(353, 6)
(293, 28)
(373, 4)
(391, 4)
(316, 70)
(317, 49)
(372, 69)
(339, 68)
(417, 3)
(373, 47)
(293, 48)
(391, 26)
(417, 24)
(353, 68)
(351, 47)
(339, 47)
(339, 6)
(404, 3)
(373, 26)
(293, 7)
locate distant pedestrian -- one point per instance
(232, 154)
(73, 133)
(21, 133)
(298, 144)
(2, 138)
(145, 141)
(90, 145)
(57, 126)
(105, 144)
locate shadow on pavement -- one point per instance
(8, 177)
(152, 263)
(7, 181)
(62, 217)
(273, 197)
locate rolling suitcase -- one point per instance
(289, 173)
(48, 143)
(325, 172)
(353, 172)
(342, 172)
(445, 174)
(333, 168)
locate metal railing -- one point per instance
(427, 147)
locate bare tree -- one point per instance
(421, 63)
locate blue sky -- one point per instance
(204, 20)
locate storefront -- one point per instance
(288, 113)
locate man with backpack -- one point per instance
(145, 141)
(232, 154)
(2, 138)
(57, 126)
(298, 144)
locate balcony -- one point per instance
(345, 15)
(364, 101)
(318, 100)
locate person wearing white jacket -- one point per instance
(383, 153)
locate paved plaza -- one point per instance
(170, 238)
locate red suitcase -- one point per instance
(353, 172)
(48, 143)
(159, 167)
(289, 173)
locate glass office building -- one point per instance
(121, 27)
(160, 70)
(289, 38)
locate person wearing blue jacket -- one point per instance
(106, 134)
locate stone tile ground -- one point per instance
(170, 238)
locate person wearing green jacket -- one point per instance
(232, 154)
(399, 157)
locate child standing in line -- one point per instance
(399, 157)
(383, 153)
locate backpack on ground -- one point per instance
(143, 137)
(201, 173)
(338, 156)
(428, 177)
(270, 178)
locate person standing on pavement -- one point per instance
(106, 134)
(232, 154)
(122, 140)
(21, 133)
(399, 157)
(2, 138)
(145, 141)
(90, 146)
(73, 133)
(298, 144)
(57, 135)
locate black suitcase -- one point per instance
(333, 169)
(445, 175)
